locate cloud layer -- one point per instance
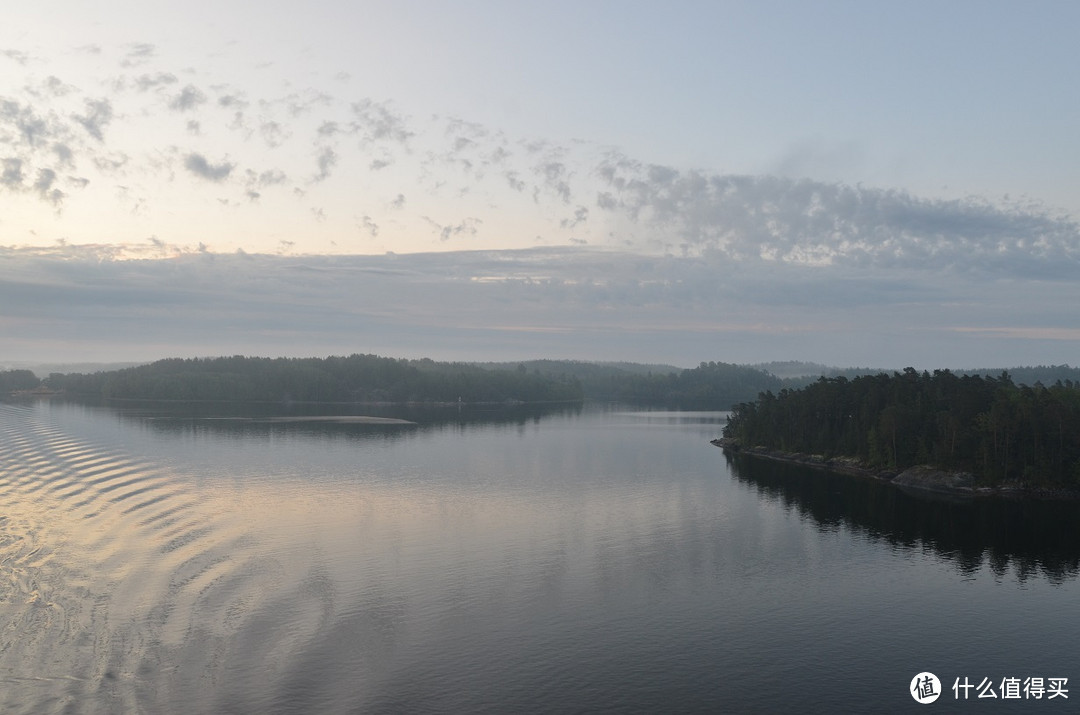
(565, 303)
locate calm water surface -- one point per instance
(583, 560)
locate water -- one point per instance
(578, 560)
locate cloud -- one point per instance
(274, 133)
(12, 175)
(232, 101)
(270, 177)
(467, 227)
(21, 125)
(368, 225)
(111, 163)
(811, 222)
(45, 189)
(146, 82)
(197, 164)
(376, 122)
(554, 175)
(99, 113)
(56, 87)
(581, 215)
(398, 202)
(326, 160)
(17, 56)
(557, 302)
(513, 181)
(190, 97)
(138, 53)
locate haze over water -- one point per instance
(508, 561)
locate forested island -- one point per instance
(371, 378)
(353, 378)
(982, 432)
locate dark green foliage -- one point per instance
(356, 378)
(13, 380)
(365, 378)
(992, 427)
(709, 386)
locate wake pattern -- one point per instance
(126, 587)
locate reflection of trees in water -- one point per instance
(1033, 537)
(267, 420)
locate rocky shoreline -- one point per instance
(921, 478)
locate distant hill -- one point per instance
(355, 378)
(43, 370)
(710, 386)
(1045, 374)
(797, 374)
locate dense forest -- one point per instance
(996, 429)
(369, 378)
(15, 380)
(709, 386)
(356, 378)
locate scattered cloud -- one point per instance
(21, 126)
(12, 175)
(147, 82)
(466, 227)
(811, 222)
(581, 215)
(274, 133)
(99, 113)
(325, 162)
(45, 189)
(377, 122)
(17, 56)
(189, 98)
(368, 226)
(198, 164)
(111, 163)
(138, 54)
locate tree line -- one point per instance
(355, 378)
(992, 427)
(370, 378)
(709, 386)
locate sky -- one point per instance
(849, 183)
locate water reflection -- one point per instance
(1032, 538)
(317, 420)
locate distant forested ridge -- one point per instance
(356, 378)
(370, 378)
(16, 380)
(709, 386)
(996, 429)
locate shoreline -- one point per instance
(924, 479)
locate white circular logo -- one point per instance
(925, 688)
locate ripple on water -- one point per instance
(121, 584)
